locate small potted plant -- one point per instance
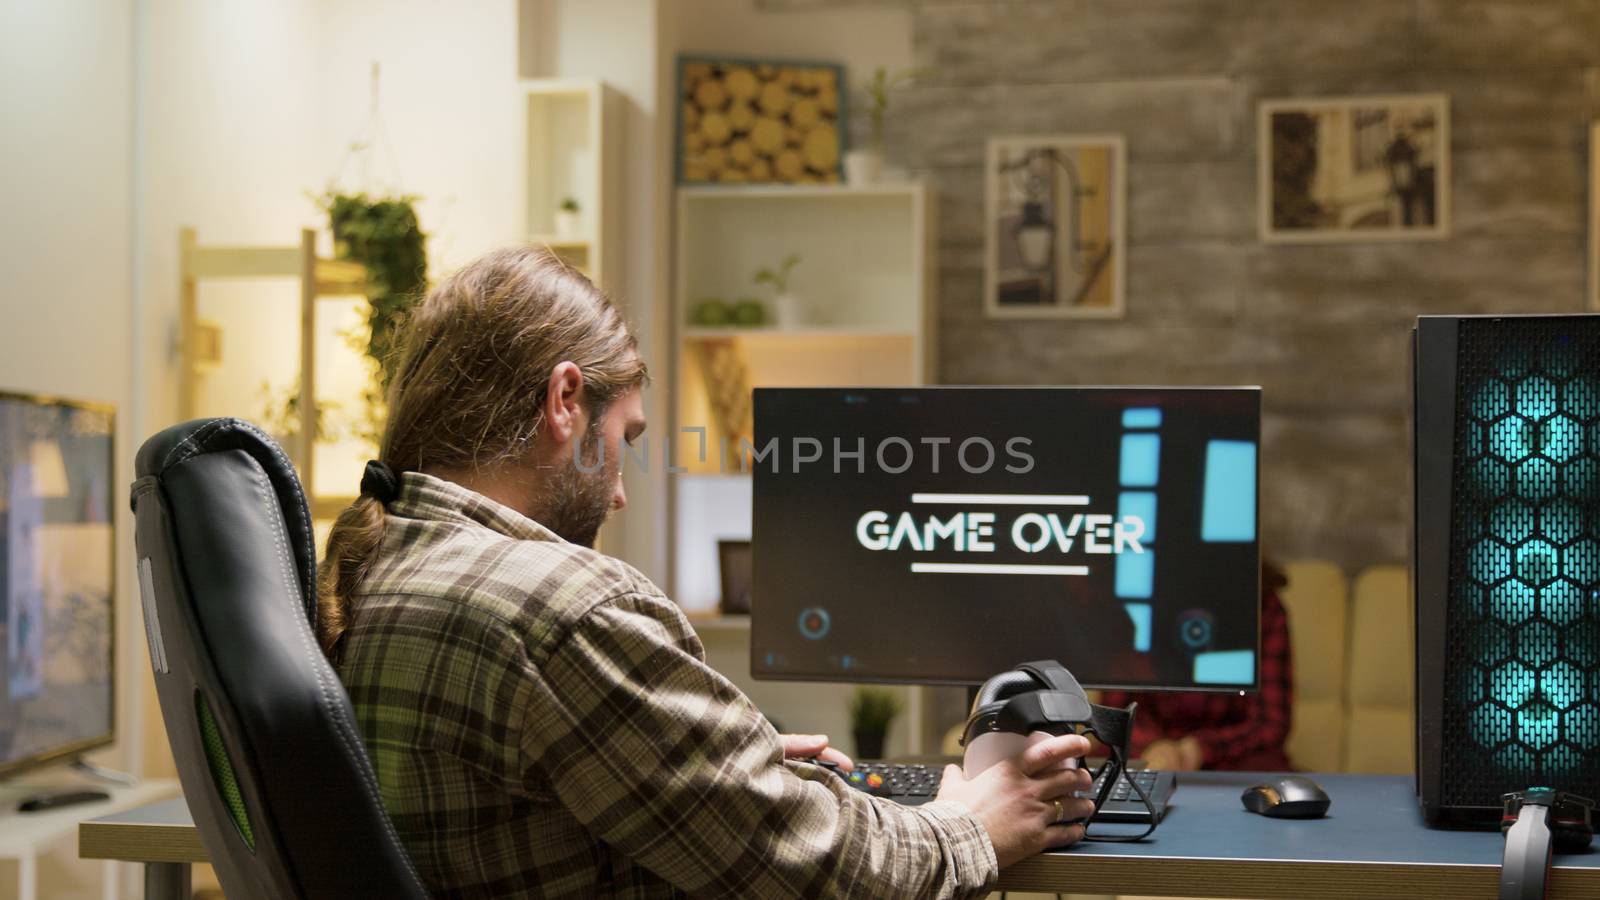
(871, 711)
(789, 313)
(567, 218)
(865, 165)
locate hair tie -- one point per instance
(379, 482)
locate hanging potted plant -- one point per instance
(383, 234)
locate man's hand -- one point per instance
(805, 746)
(1016, 799)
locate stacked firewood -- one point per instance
(759, 122)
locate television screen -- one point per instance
(55, 579)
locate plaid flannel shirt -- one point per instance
(543, 724)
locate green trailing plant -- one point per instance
(779, 277)
(569, 204)
(281, 413)
(878, 98)
(383, 234)
(872, 709)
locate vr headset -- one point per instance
(1036, 701)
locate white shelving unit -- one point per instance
(866, 283)
(574, 149)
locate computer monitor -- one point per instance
(942, 535)
(56, 663)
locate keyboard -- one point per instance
(1124, 805)
(912, 784)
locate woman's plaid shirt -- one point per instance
(543, 724)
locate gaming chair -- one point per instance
(266, 743)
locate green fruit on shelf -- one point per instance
(749, 311)
(711, 311)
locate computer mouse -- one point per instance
(1287, 797)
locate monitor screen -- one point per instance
(942, 535)
(56, 574)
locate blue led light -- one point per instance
(1536, 479)
(1512, 601)
(1561, 521)
(1228, 512)
(1140, 505)
(1225, 667)
(1581, 561)
(1538, 644)
(1512, 684)
(1538, 726)
(1141, 460)
(1489, 561)
(1511, 438)
(1536, 398)
(1491, 725)
(1583, 726)
(1580, 398)
(1578, 478)
(1141, 417)
(1536, 562)
(1561, 602)
(1136, 575)
(1561, 685)
(1141, 615)
(1511, 521)
(1561, 438)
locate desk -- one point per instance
(1371, 845)
(24, 836)
(160, 835)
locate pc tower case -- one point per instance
(1506, 560)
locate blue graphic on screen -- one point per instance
(1533, 562)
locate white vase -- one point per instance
(567, 224)
(863, 167)
(788, 311)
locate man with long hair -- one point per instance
(540, 716)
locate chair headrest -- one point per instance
(181, 443)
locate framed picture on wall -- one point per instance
(744, 121)
(1054, 244)
(1354, 169)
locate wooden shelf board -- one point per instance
(905, 189)
(819, 331)
(243, 262)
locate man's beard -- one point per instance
(580, 501)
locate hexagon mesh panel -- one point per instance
(1522, 673)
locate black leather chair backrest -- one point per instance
(266, 744)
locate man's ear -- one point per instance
(562, 402)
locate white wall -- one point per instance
(862, 38)
(66, 251)
(619, 42)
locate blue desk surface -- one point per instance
(1372, 843)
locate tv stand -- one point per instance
(25, 837)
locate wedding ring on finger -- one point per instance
(1061, 812)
